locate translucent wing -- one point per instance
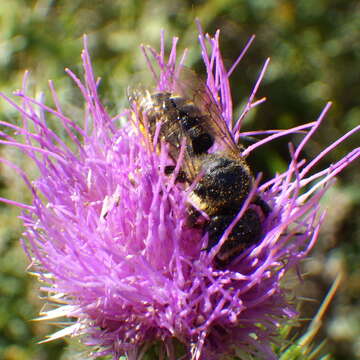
(186, 83)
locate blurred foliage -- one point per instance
(315, 54)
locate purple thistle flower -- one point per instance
(109, 238)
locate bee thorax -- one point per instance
(224, 185)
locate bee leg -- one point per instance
(245, 233)
(266, 209)
(181, 176)
(195, 219)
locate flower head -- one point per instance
(109, 234)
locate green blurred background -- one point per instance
(315, 55)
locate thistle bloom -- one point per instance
(109, 238)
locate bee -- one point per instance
(186, 111)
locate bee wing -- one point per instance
(187, 84)
(137, 98)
